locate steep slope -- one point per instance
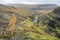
(7, 11)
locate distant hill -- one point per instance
(34, 6)
(45, 7)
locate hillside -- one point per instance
(20, 22)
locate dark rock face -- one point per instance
(52, 24)
(57, 10)
(57, 19)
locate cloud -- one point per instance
(6, 1)
(31, 1)
(25, 2)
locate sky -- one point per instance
(30, 2)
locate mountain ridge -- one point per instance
(34, 6)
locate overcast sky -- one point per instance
(30, 1)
